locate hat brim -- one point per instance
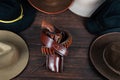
(93, 27)
(28, 17)
(13, 70)
(96, 54)
(59, 7)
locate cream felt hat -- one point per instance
(14, 55)
(85, 8)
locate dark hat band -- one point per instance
(14, 20)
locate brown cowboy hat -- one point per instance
(51, 6)
(105, 55)
(14, 55)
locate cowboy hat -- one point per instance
(105, 55)
(14, 55)
(85, 8)
(51, 6)
(15, 15)
(105, 19)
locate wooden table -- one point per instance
(77, 65)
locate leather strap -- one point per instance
(52, 47)
(55, 43)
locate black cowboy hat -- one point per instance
(15, 15)
(105, 19)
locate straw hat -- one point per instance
(105, 55)
(51, 6)
(14, 55)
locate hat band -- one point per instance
(17, 19)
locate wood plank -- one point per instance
(77, 65)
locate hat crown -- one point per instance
(4, 48)
(8, 54)
(51, 2)
(9, 9)
(112, 56)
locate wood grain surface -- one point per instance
(77, 65)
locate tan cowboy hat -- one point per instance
(51, 6)
(14, 55)
(105, 55)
